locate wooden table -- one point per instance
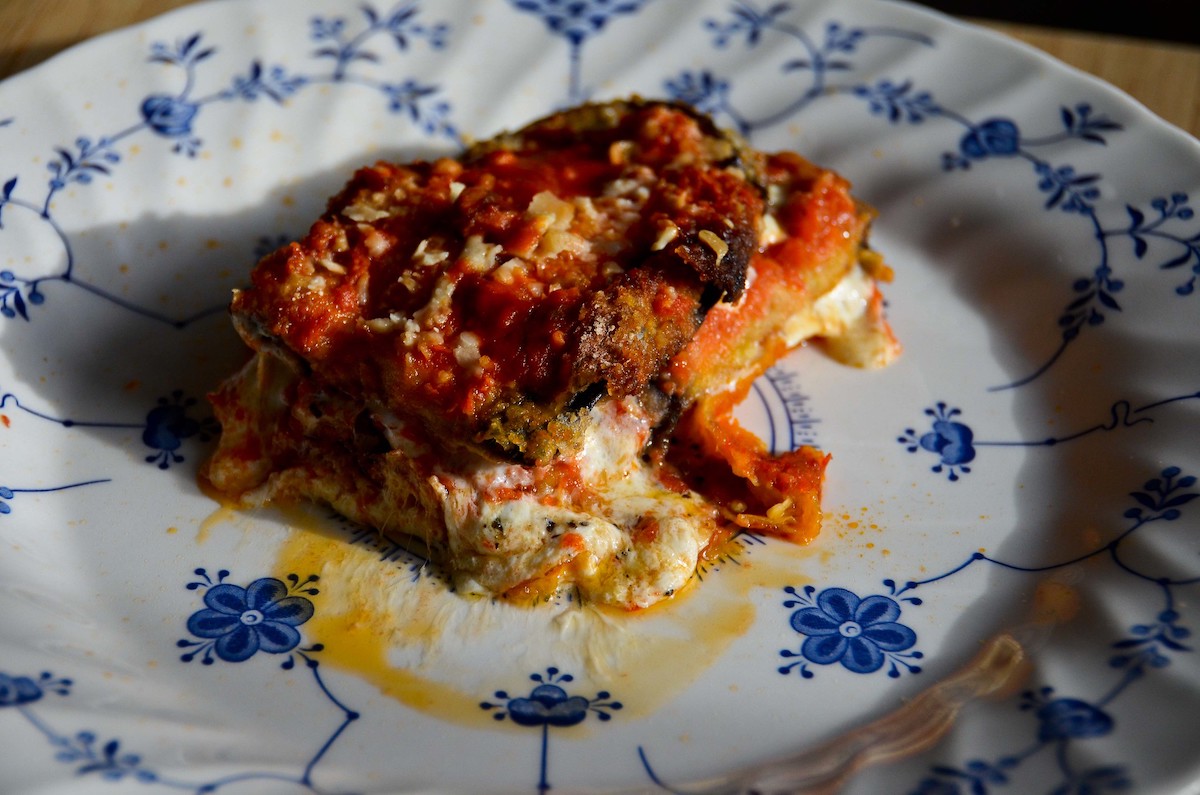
(1165, 77)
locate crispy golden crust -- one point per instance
(626, 221)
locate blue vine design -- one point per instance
(838, 625)
(166, 428)
(1143, 230)
(8, 493)
(1160, 500)
(174, 117)
(1063, 721)
(954, 445)
(1095, 296)
(1159, 232)
(83, 750)
(268, 605)
(168, 425)
(577, 22)
(818, 63)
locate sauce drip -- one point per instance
(433, 650)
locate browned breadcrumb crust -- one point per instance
(604, 321)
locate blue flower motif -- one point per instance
(169, 424)
(18, 690)
(1080, 123)
(972, 778)
(858, 633)
(11, 287)
(273, 82)
(747, 20)
(186, 52)
(421, 104)
(244, 621)
(577, 20)
(994, 137)
(703, 90)
(187, 146)
(548, 704)
(1067, 190)
(951, 441)
(169, 116)
(896, 101)
(1070, 718)
(1164, 496)
(91, 158)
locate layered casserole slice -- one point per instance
(524, 360)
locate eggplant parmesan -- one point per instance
(525, 359)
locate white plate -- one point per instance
(1012, 502)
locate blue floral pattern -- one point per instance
(840, 627)
(8, 493)
(954, 444)
(997, 138)
(168, 116)
(83, 750)
(813, 69)
(862, 633)
(239, 622)
(577, 21)
(950, 440)
(1064, 720)
(17, 691)
(991, 138)
(177, 116)
(172, 422)
(549, 704)
(845, 628)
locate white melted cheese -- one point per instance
(498, 543)
(850, 320)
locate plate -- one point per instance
(1003, 597)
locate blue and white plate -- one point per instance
(1005, 595)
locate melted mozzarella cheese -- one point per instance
(630, 541)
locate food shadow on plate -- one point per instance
(1091, 556)
(112, 381)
